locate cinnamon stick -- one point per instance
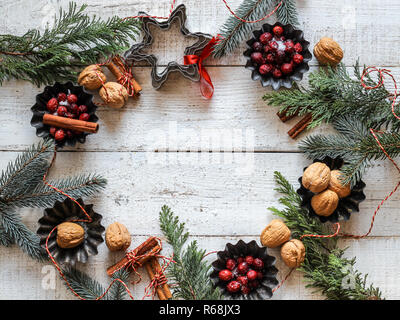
(284, 117)
(300, 126)
(153, 267)
(150, 246)
(115, 66)
(71, 124)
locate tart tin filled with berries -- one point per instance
(278, 55)
(64, 100)
(346, 206)
(245, 271)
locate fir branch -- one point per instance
(287, 12)
(74, 41)
(324, 267)
(190, 272)
(5, 239)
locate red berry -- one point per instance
(61, 96)
(282, 38)
(84, 117)
(240, 260)
(298, 47)
(258, 263)
(289, 46)
(245, 290)
(243, 268)
(53, 131)
(70, 134)
(298, 58)
(280, 57)
(83, 109)
(72, 98)
(265, 69)
(243, 280)
(257, 57)
(225, 275)
(74, 108)
(252, 275)
(61, 111)
(274, 45)
(277, 30)
(70, 115)
(52, 105)
(253, 284)
(230, 264)
(233, 286)
(277, 73)
(267, 48)
(249, 260)
(270, 58)
(287, 68)
(59, 135)
(257, 46)
(259, 275)
(265, 37)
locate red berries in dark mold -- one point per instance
(267, 48)
(233, 286)
(83, 108)
(249, 260)
(84, 117)
(71, 98)
(59, 135)
(257, 46)
(61, 96)
(277, 73)
(277, 30)
(240, 260)
(298, 47)
(298, 58)
(265, 69)
(265, 37)
(258, 263)
(243, 280)
(52, 105)
(52, 131)
(61, 111)
(274, 46)
(225, 275)
(74, 108)
(287, 68)
(270, 58)
(252, 275)
(230, 264)
(243, 268)
(245, 290)
(257, 57)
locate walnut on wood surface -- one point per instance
(117, 237)
(328, 52)
(274, 234)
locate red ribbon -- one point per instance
(206, 86)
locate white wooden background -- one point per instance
(218, 202)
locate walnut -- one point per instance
(114, 94)
(275, 234)
(92, 77)
(335, 184)
(325, 203)
(328, 52)
(117, 237)
(316, 177)
(293, 253)
(69, 235)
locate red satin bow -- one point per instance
(206, 86)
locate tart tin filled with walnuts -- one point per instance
(245, 271)
(323, 194)
(278, 55)
(64, 100)
(72, 241)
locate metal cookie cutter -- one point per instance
(188, 71)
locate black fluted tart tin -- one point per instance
(68, 211)
(346, 206)
(289, 32)
(242, 249)
(40, 108)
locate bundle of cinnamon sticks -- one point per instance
(300, 126)
(117, 68)
(144, 255)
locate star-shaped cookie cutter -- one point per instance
(188, 71)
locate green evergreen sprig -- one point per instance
(21, 185)
(325, 268)
(190, 273)
(233, 32)
(74, 41)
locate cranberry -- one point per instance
(83, 109)
(59, 135)
(245, 290)
(240, 260)
(225, 275)
(270, 58)
(258, 263)
(249, 260)
(274, 45)
(243, 268)
(243, 280)
(53, 131)
(72, 99)
(280, 57)
(277, 30)
(277, 73)
(257, 57)
(61, 111)
(267, 48)
(253, 284)
(265, 37)
(233, 286)
(230, 264)
(70, 115)
(252, 275)
(61, 96)
(74, 108)
(289, 46)
(298, 58)
(70, 134)
(259, 275)
(257, 46)
(298, 47)
(282, 38)
(265, 69)
(287, 68)
(84, 117)
(52, 105)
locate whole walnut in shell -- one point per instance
(293, 253)
(117, 237)
(275, 234)
(316, 177)
(325, 203)
(335, 184)
(69, 235)
(92, 77)
(114, 94)
(328, 52)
